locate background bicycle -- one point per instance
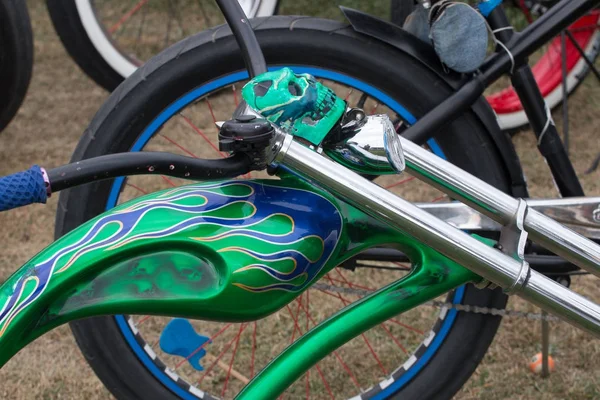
(109, 39)
(16, 57)
(575, 351)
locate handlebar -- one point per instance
(35, 185)
(23, 188)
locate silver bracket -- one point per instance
(513, 239)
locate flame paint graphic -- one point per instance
(247, 216)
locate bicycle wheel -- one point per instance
(109, 40)
(16, 57)
(427, 353)
(546, 63)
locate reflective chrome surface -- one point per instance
(501, 207)
(375, 148)
(583, 211)
(513, 239)
(562, 302)
(488, 262)
(580, 214)
(461, 216)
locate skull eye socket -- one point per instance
(262, 88)
(294, 89)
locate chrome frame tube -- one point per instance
(501, 207)
(581, 214)
(486, 261)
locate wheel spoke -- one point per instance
(299, 300)
(212, 114)
(402, 182)
(127, 15)
(166, 41)
(175, 12)
(348, 95)
(525, 10)
(325, 382)
(216, 335)
(142, 320)
(237, 342)
(296, 325)
(395, 321)
(180, 147)
(235, 98)
(440, 198)
(346, 302)
(337, 356)
(140, 29)
(402, 266)
(139, 189)
(204, 13)
(253, 351)
(394, 339)
(309, 319)
(374, 354)
(354, 285)
(199, 132)
(218, 358)
(170, 182)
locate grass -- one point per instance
(61, 102)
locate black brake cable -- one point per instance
(244, 35)
(146, 163)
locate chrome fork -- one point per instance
(487, 262)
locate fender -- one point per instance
(404, 41)
(226, 251)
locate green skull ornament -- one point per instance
(297, 103)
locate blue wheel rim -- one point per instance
(224, 81)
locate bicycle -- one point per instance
(558, 64)
(56, 177)
(93, 35)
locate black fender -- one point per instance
(424, 53)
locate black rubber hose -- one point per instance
(146, 163)
(244, 36)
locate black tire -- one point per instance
(400, 9)
(73, 36)
(316, 42)
(68, 25)
(16, 57)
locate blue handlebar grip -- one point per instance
(23, 188)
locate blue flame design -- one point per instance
(317, 217)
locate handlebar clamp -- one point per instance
(249, 135)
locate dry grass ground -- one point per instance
(61, 102)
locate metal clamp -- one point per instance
(513, 239)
